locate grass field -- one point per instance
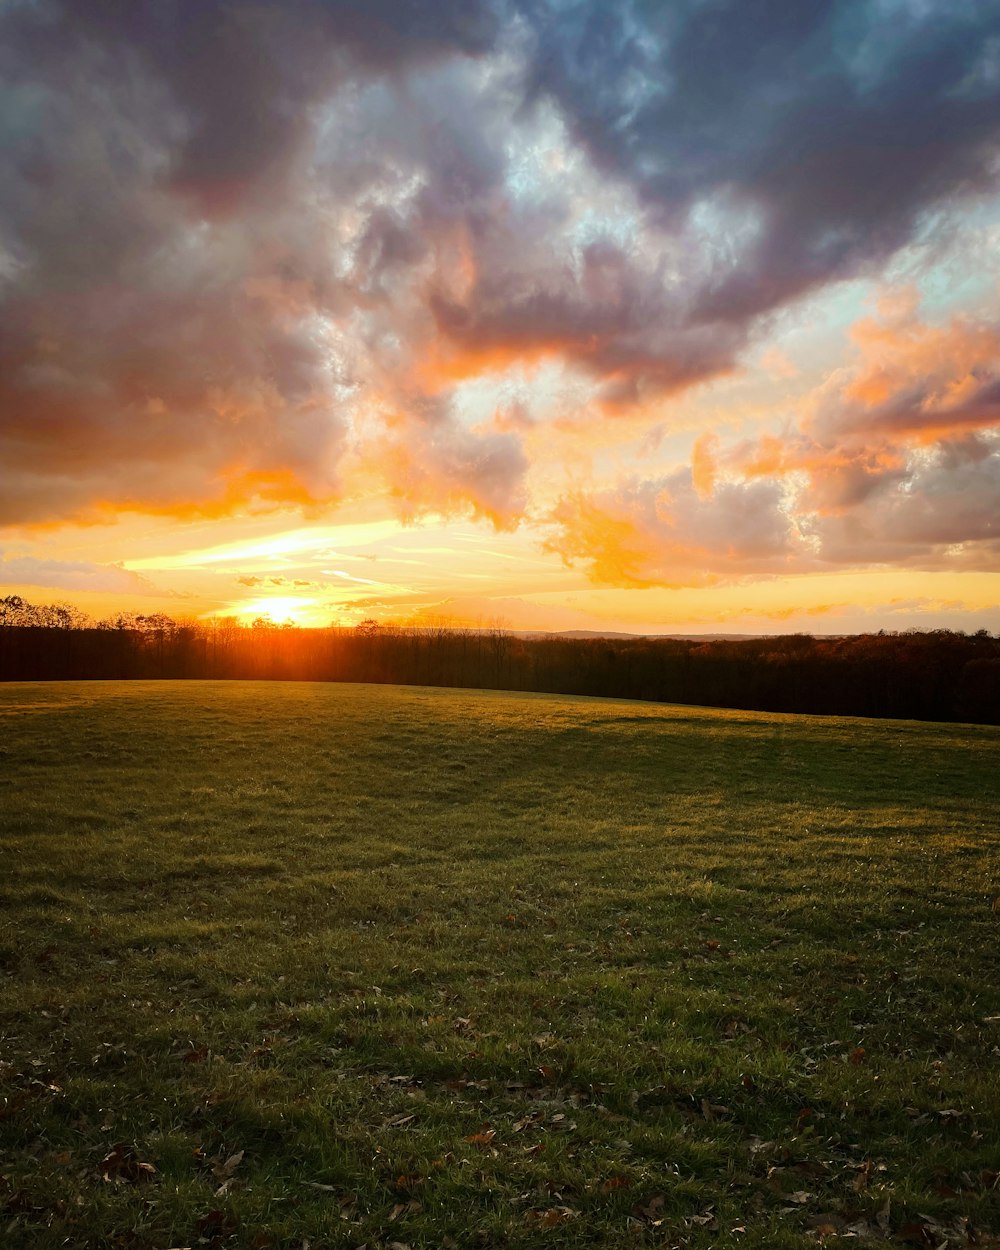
(341, 965)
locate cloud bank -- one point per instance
(896, 461)
(250, 254)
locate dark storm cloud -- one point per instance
(835, 122)
(245, 75)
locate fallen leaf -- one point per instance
(615, 1182)
(483, 1138)
(123, 1165)
(857, 1055)
(650, 1211)
(404, 1208)
(917, 1234)
(554, 1216)
(863, 1177)
(224, 1171)
(826, 1229)
(215, 1224)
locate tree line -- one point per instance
(921, 675)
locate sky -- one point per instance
(556, 314)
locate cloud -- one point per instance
(441, 468)
(943, 513)
(137, 362)
(900, 454)
(248, 250)
(863, 116)
(663, 532)
(73, 575)
(895, 461)
(168, 253)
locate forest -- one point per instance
(938, 675)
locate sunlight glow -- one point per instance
(277, 547)
(279, 608)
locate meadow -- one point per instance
(291, 964)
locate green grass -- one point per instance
(477, 969)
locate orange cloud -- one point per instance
(921, 382)
(613, 546)
(915, 388)
(664, 533)
(703, 464)
(444, 363)
(896, 463)
(440, 467)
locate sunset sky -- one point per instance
(566, 314)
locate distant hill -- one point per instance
(609, 633)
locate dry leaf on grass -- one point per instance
(553, 1217)
(123, 1165)
(224, 1171)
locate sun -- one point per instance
(282, 609)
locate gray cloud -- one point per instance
(832, 124)
(944, 512)
(72, 575)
